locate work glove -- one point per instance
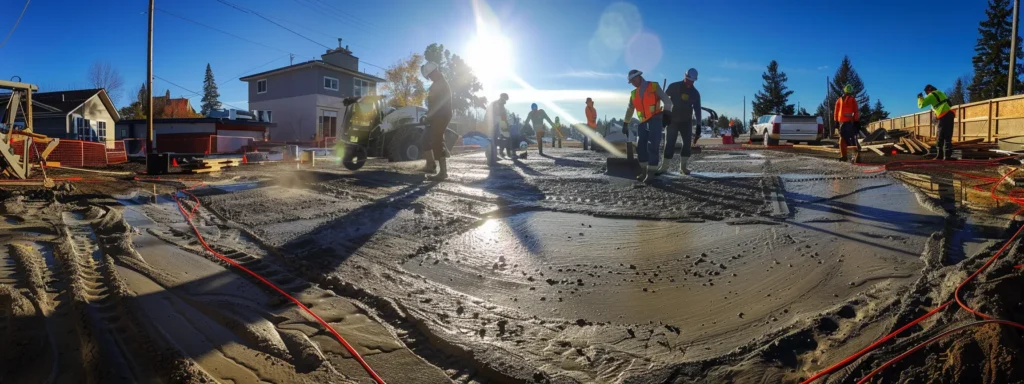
(666, 119)
(919, 96)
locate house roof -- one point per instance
(310, 64)
(60, 103)
(180, 107)
(199, 120)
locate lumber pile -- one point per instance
(210, 165)
(882, 142)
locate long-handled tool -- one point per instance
(629, 166)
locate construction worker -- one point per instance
(591, 122)
(940, 106)
(439, 115)
(535, 119)
(649, 101)
(557, 134)
(497, 119)
(847, 115)
(685, 105)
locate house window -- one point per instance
(261, 86)
(124, 133)
(330, 83)
(360, 87)
(101, 130)
(328, 124)
(83, 129)
(269, 115)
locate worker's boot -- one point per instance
(443, 174)
(661, 167)
(650, 175)
(430, 166)
(643, 172)
(683, 162)
(540, 147)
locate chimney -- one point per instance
(339, 42)
(341, 57)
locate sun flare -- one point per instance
(490, 56)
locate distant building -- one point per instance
(201, 135)
(85, 114)
(173, 108)
(305, 100)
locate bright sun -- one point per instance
(490, 56)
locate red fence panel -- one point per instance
(117, 155)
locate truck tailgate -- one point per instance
(799, 125)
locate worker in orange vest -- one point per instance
(848, 116)
(650, 102)
(591, 122)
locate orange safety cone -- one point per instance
(245, 158)
(174, 162)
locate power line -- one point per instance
(325, 11)
(15, 24)
(221, 31)
(245, 10)
(354, 17)
(256, 67)
(191, 91)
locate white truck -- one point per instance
(771, 129)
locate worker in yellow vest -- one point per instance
(940, 106)
(558, 133)
(650, 102)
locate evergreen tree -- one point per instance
(210, 94)
(803, 112)
(774, 98)
(958, 93)
(878, 112)
(992, 54)
(137, 108)
(845, 74)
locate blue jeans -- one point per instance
(648, 141)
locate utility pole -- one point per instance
(745, 110)
(828, 109)
(1013, 51)
(149, 88)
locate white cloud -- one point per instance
(732, 64)
(823, 67)
(590, 75)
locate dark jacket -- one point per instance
(439, 100)
(685, 102)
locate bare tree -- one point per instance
(102, 74)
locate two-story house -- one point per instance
(304, 100)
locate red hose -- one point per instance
(188, 217)
(918, 347)
(988, 319)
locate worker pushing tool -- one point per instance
(649, 101)
(940, 106)
(685, 105)
(557, 133)
(497, 119)
(848, 116)
(591, 122)
(439, 115)
(535, 119)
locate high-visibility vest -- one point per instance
(941, 106)
(846, 109)
(646, 103)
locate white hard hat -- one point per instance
(691, 74)
(632, 74)
(427, 68)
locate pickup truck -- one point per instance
(771, 129)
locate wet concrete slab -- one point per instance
(710, 278)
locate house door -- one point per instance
(328, 124)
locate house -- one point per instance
(202, 135)
(173, 108)
(85, 114)
(305, 99)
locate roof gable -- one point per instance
(63, 102)
(311, 64)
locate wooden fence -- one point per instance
(989, 120)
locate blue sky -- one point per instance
(561, 50)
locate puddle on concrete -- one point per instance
(13, 220)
